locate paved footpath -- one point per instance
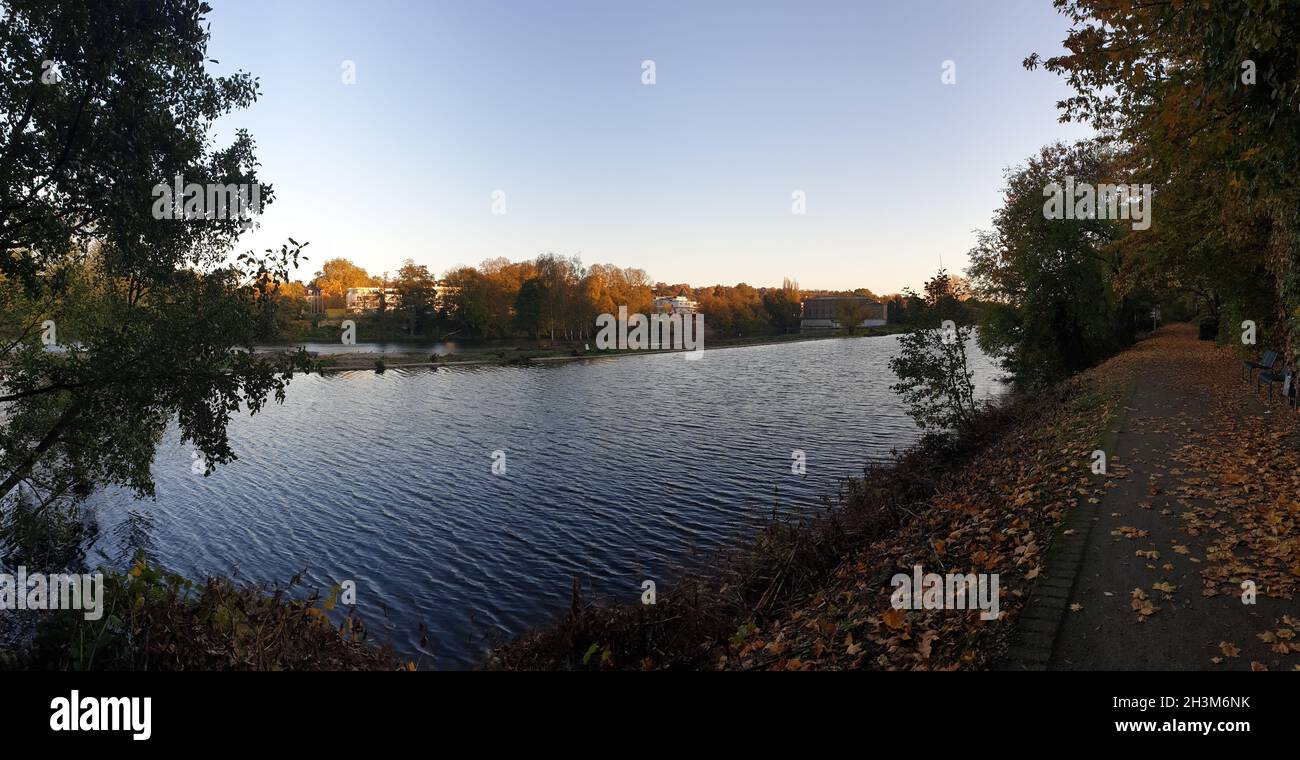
(1155, 531)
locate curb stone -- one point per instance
(1034, 639)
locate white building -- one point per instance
(357, 300)
(678, 304)
(443, 296)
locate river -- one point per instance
(614, 470)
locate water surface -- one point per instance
(616, 470)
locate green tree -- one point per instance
(469, 302)
(158, 313)
(418, 290)
(784, 306)
(934, 376)
(1050, 282)
(530, 307)
(1203, 95)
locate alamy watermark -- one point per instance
(638, 332)
(214, 200)
(1082, 200)
(953, 591)
(53, 591)
(78, 713)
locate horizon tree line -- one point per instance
(551, 297)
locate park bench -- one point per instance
(1266, 362)
(1276, 377)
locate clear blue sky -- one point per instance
(690, 178)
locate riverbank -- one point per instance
(817, 594)
(150, 619)
(814, 594)
(422, 446)
(515, 355)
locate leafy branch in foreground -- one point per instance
(154, 322)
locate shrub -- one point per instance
(155, 620)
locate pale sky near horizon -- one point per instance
(690, 178)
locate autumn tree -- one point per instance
(851, 312)
(784, 306)
(560, 308)
(336, 276)
(1204, 95)
(734, 311)
(470, 301)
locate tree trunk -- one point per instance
(46, 442)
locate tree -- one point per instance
(469, 299)
(558, 295)
(784, 306)
(1203, 95)
(338, 275)
(1051, 282)
(158, 314)
(290, 306)
(502, 281)
(737, 310)
(851, 312)
(530, 307)
(934, 377)
(418, 289)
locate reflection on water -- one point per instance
(616, 470)
(369, 347)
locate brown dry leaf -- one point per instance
(1229, 649)
(1128, 531)
(924, 646)
(1142, 605)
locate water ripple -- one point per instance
(615, 470)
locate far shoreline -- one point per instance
(522, 355)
